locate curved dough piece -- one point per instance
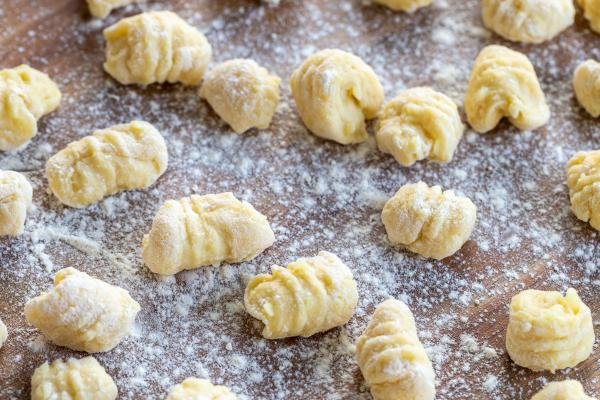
(408, 6)
(591, 11)
(15, 199)
(199, 389)
(563, 390)
(3, 333)
(586, 82)
(101, 8)
(583, 180)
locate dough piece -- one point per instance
(156, 47)
(201, 389)
(242, 93)
(15, 199)
(528, 21)
(82, 379)
(427, 221)
(335, 92)
(392, 358)
(101, 8)
(83, 313)
(547, 331)
(123, 157)
(586, 82)
(591, 11)
(311, 295)
(198, 231)
(563, 390)
(583, 180)
(419, 123)
(408, 6)
(504, 84)
(26, 95)
(3, 333)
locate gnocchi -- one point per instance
(547, 331)
(504, 84)
(335, 92)
(419, 123)
(583, 180)
(15, 199)
(201, 389)
(392, 358)
(311, 295)
(83, 313)
(123, 157)
(586, 82)
(26, 95)
(156, 47)
(205, 230)
(591, 12)
(562, 390)
(101, 8)
(3, 333)
(74, 379)
(404, 5)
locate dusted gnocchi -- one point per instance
(404, 5)
(101, 8)
(586, 83)
(201, 389)
(3, 333)
(591, 11)
(583, 180)
(562, 390)
(15, 198)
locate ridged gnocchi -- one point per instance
(26, 95)
(586, 82)
(198, 231)
(392, 358)
(404, 5)
(123, 157)
(547, 331)
(335, 92)
(428, 221)
(156, 47)
(583, 180)
(82, 313)
(311, 295)
(528, 21)
(101, 8)
(74, 379)
(201, 389)
(15, 199)
(3, 333)
(504, 84)
(419, 123)
(562, 390)
(242, 93)
(591, 12)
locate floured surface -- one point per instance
(317, 195)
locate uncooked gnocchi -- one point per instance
(562, 390)
(335, 93)
(156, 47)
(123, 157)
(311, 295)
(591, 11)
(504, 84)
(26, 95)
(74, 379)
(547, 331)
(586, 82)
(242, 93)
(419, 123)
(392, 358)
(15, 198)
(101, 8)
(528, 21)
(200, 389)
(583, 180)
(198, 231)
(3, 333)
(427, 221)
(404, 5)
(83, 313)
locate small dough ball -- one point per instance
(563, 390)
(123, 157)
(83, 313)
(26, 95)
(583, 180)
(404, 5)
(15, 199)
(82, 379)
(335, 93)
(156, 47)
(591, 11)
(586, 83)
(311, 295)
(3, 333)
(243, 93)
(200, 389)
(198, 231)
(427, 221)
(547, 331)
(419, 123)
(504, 84)
(101, 8)
(528, 21)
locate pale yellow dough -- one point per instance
(504, 84)
(547, 331)
(26, 95)
(311, 295)
(404, 5)
(242, 93)
(199, 389)
(563, 390)
(583, 180)
(586, 82)
(392, 358)
(15, 199)
(156, 47)
(83, 313)
(101, 8)
(74, 379)
(123, 157)
(205, 230)
(591, 11)
(335, 92)
(3, 333)
(419, 123)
